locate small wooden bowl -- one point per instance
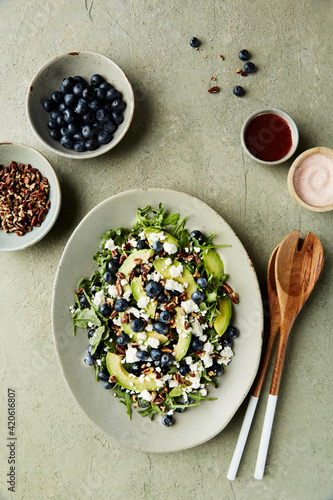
(319, 150)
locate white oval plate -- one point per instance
(196, 425)
(11, 151)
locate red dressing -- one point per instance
(268, 137)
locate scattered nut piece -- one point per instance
(238, 70)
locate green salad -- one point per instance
(157, 311)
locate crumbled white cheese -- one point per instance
(123, 282)
(72, 309)
(110, 245)
(127, 294)
(131, 354)
(142, 235)
(149, 328)
(171, 284)
(143, 302)
(154, 343)
(142, 336)
(227, 354)
(134, 311)
(203, 392)
(209, 349)
(168, 262)
(169, 248)
(154, 276)
(173, 383)
(112, 291)
(176, 271)
(190, 306)
(99, 298)
(156, 237)
(197, 249)
(133, 242)
(146, 395)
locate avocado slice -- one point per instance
(222, 321)
(138, 292)
(213, 263)
(164, 270)
(115, 368)
(183, 343)
(169, 238)
(126, 328)
(131, 262)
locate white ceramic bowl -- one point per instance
(10, 151)
(49, 78)
(293, 128)
(291, 178)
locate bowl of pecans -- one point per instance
(30, 196)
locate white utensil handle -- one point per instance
(265, 436)
(251, 408)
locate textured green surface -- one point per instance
(181, 138)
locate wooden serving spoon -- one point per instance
(298, 265)
(274, 325)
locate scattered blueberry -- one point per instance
(198, 296)
(88, 360)
(135, 368)
(162, 298)
(197, 235)
(202, 282)
(226, 341)
(121, 305)
(83, 301)
(137, 325)
(107, 277)
(184, 370)
(167, 420)
(158, 246)
(105, 310)
(196, 344)
(232, 332)
(194, 42)
(112, 266)
(160, 327)
(103, 376)
(143, 355)
(166, 359)
(155, 354)
(94, 287)
(217, 369)
(143, 403)
(123, 339)
(91, 332)
(108, 385)
(153, 288)
(244, 55)
(141, 244)
(249, 67)
(238, 91)
(165, 316)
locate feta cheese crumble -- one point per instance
(176, 271)
(170, 248)
(99, 298)
(190, 306)
(110, 245)
(171, 284)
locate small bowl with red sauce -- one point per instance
(269, 136)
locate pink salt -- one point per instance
(313, 180)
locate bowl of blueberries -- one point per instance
(80, 104)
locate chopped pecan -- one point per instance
(120, 276)
(122, 258)
(166, 349)
(119, 289)
(124, 318)
(113, 314)
(170, 305)
(234, 297)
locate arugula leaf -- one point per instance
(81, 317)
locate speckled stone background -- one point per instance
(181, 138)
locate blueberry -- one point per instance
(184, 370)
(202, 282)
(158, 246)
(55, 113)
(100, 94)
(69, 99)
(160, 327)
(118, 105)
(167, 420)
(49, 105)
(91, 332)
(81, 108)
(87, 131)
(88, 118)
(107, 277)
(143, 403)
(96, 80)
(94, 105)
(90, 349)
(135, 368)
(179, 409)
(232, 332)
(238, 91)
(88, 93)
(67, 141)
(249, 67)
(137, 325)
(244, 55)
(155, 354)
(106, 86)
(118, 119)
(77, 89)
(123, 339)
(103, 376)
(110, 127)
(198, 296)
(104, 137)
(217, 369)
(194, 42)
(121, 305)
(67, 85)
(55, 134)
(57, 97)
(62, 106)
(174, 293)
(116, 259)
(91, 144)
(83, 301)
(141, 243)
(165, 316)
(73, 129)
(105, 310)
(88, 360)
(108, 385)
(78, 79)
(112, 266)
(102, 115)
(226, 341)
(162, 298)
(113, 94)
(153, 288)
(63, 131)
(97, 127)
(190, 401)
(143, 355)
(197, 235)
(196, 344)
(52, 124)
(60, 121)
(69, 116)
(93, 289)
(166, 359)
